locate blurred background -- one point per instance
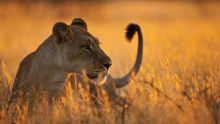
(181, 51)
(181, 30)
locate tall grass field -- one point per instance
(179, 80)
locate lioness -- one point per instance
(70, 48)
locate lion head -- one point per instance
(79, 51)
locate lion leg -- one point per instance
(15, 108)
(118, 102)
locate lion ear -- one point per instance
(79, 22)
(61, 33)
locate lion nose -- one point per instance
(107, 65)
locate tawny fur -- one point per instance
(70, 49)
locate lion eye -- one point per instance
(87, 48)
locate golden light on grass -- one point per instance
(179, 81)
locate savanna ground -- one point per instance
(179, 81)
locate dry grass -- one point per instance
(179, 81)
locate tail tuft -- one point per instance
(130, 30)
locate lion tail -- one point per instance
(130, 31)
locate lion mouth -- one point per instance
(98, 79)
(92, 76)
